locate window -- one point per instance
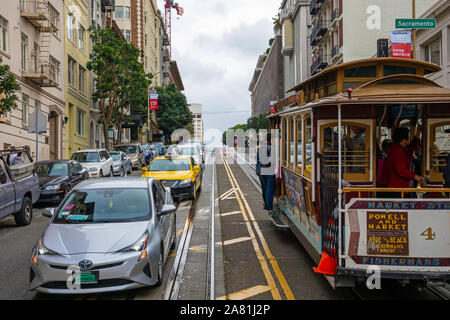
(81, 32)
(80, 122)
(440, 148)
(25, 102)
(285, 142)
(82, 79)
(433, 52)
(355, 150)
(3, 34)
(361, 72)
(127, 35)
(299, 142)
(54, 69)
(71, 72)
(24, 47)
(391, 70)
(119, 12)
(291, 141)
(126, 13)
(71, 26)
(307, 145)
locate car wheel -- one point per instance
(101, 174)
(24, 216)
(122, 172)
(130, 170)
(111, 172)
(194, 194)
(160, 267)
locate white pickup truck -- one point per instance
(19, 187)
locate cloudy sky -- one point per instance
(216, 45)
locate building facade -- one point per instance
(76, 13)
(433, 45)
(32, 44)
(197, 120)
(267, 83)
(344, 31)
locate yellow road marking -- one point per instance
(197, 249)
(245, 294)
(279, 274)
(171, 255)
(229, 213)
(233, 241)
(261, 259)
(226, 194)
(179, 231)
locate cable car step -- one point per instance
(278, 222)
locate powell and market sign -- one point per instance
(415, 23)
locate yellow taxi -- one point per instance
(178, 172)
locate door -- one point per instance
(54, 135)
(160, 199)
(7, 195)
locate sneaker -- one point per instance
(272, 214)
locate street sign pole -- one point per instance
(414, 30)
(148, 115)
(37, 134)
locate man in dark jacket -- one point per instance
(397, 171)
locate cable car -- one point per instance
(331, 131)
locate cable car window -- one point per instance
(284, 140)
(355, 150)
(307, 145)
(291, 141)
(332, 89)
(391, 70)
(349, 85)
(361, 72)
(299, 143)
(440, 148)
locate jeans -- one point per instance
(268, 189)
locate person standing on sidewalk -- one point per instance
(267, 172)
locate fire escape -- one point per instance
(41, 68)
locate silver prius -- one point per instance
(106, 235)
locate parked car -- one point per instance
(116, 232)
(135, 152)
(57, 178)
(122, 163)
(153, 151)
(98, 162)
(19, 187)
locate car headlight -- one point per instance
(53, 188)
(185, 181)
(41, 250)
(139, 245)
(93, 169)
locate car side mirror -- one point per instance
(197, 168)
(48, 212)
(168, 209)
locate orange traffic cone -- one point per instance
(327, 265)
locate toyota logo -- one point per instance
(85, 264)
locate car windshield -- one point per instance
(127, 149)
(115, 155)
(52, 169)
(145, 147)
(190, 151)
(105, 205)
(170, 165)
(86, 157)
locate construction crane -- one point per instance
(168, 19)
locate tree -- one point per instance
(173, 112)
(120, 80)
(8, 87)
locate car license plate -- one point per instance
(87, 277)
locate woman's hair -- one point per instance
(401, 134)
(386, 144)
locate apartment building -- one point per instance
(433, 45)
(197, 120)
(76, 13)
(267, 83)
(32, 44)
(296, 50)
(348, 30)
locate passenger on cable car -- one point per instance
(381, 161)
(397, 171)
(266, 173)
